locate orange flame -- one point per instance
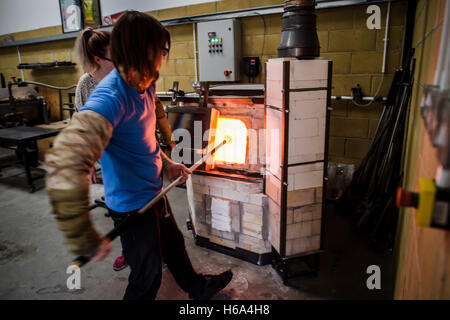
(235, 132)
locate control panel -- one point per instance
(215, 45)
(219, 50)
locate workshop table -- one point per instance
(20, 138)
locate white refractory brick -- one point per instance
(220, 214)
(259, 249)
(200, 188)
(236, 196)
(315, 228)
(221, 183)
(257, 114)
(235, 217)
(302, 168)
(307, 96)
(273, 134)
(251, 229)
(308, 180)
(295, 159)
(274, 95)
(198, 196)
(307, 109)
(258, 123)
(259, 199)
(223, 242)
(199, 210)
(202, 229)
(275, 69)
(297, 246)
(290, 182)
(253, 143)
(246, 239)
(208, 203)
(191, 198)
(220, 225)
(319, 194)
(299, 230)
(252, 208)
(252, 218)
(302, 84)
(196, 179)
(307, 213)
(249, 187)
(273, 188)
(223, 234)
(216, 192)
(305, 176)
(302, 197)
(316, 69)
(317, 214)
(307, 145)
(208, 217)
(303, 128)
(315, 242)
(290, 216)
(274, 224)
(220, 218)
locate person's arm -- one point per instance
(163, 123)
(173, 170)
(74, 152)
(78, 97)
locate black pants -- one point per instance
(148, 238)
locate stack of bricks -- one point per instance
(231, 213)
(305, 116)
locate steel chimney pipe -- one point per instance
(299, 35)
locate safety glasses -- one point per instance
(164, 52)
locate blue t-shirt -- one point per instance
(131, 163)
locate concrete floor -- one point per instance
(34, 258)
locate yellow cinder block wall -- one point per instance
(422, 254)
(343, 35)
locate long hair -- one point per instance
(91, 43)
(136, 42)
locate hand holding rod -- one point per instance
(82, 260)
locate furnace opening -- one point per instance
(235, 132)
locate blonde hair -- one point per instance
(91, 43)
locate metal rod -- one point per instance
(383, 68)
(177, 180)
(194, 25)
(352, 98)
(82, 260)
(49, 86)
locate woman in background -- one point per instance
(92, 49)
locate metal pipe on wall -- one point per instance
(194, 25)
(386, 37)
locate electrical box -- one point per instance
(251, 66)
(219, 50)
